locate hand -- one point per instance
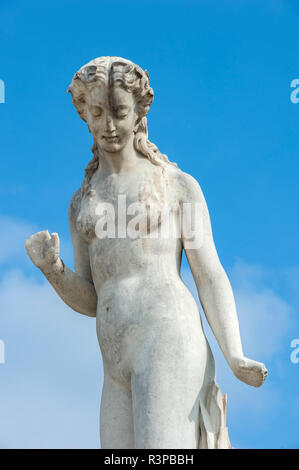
(43, 249)
(251, 372)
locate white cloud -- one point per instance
(51, 381)
(264, 316)
(13, 233)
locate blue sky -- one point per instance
(221, 72)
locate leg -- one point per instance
(116, 420)
(166, 384)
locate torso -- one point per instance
(122, 255)
(137, 280)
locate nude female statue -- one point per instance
(159, 374)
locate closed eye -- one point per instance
(96, 111)
(121, 111)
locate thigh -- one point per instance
(166, 381)
(116, 420)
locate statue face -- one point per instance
(111, 117)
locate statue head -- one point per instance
(113, 96)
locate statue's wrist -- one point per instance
(235, 360)
(54, 268)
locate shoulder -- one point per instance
(75, 203)
(186, 186)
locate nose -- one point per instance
(109, 127)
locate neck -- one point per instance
(121, 161)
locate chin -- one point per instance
(112, 148)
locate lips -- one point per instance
(113, 138)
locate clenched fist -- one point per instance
(251, 372)
(43, 249)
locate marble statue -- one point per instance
(159, 373)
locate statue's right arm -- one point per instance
(76, 289)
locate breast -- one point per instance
(139, 212)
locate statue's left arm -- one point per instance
(214, 289)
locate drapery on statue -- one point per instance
(159, 373)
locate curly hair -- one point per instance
(115, 71)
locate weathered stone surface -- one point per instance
(130, 220)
